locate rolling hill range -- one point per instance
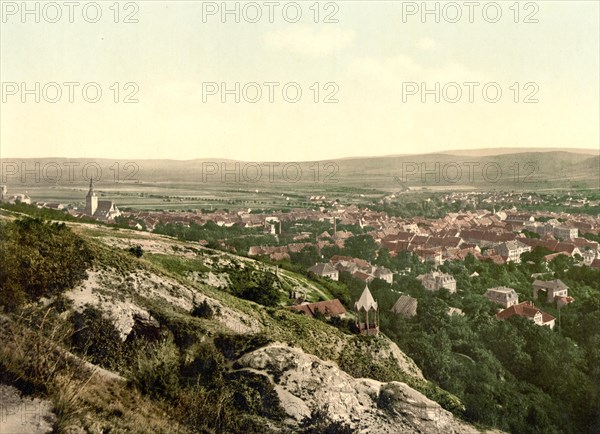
(520, 171)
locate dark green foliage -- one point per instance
(205, 369)
(39, 259)
(361, 246)
(46, 213)
(155, 369)
(530, 234)
(319, 423)
(591, 237)
(336, 289)
(233, 346)
(240, 238)
(203, 310)
(136, 251)
(511, 374)
(255, 394)
(185, 329)
(307, 257)
(96, 337)
(259, 286)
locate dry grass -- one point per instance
(33, 357)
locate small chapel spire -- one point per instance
(365, 304)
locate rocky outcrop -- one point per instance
(116, 295)
(306, 383)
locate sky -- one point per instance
(366, 79)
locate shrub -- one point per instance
(39, 259)
(234, 346)
(206, 368)
(258, 286)
(136, 251)
(203, 310)
(255, 394)
(319, 423)
(155, 370)
(96, 337)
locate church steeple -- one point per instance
(91, 200)
(91, 190)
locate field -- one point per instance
(193, 184)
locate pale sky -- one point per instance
(373, 53)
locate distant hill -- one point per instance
(493, 168)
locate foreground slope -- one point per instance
(189, 356)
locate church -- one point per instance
(100, 209)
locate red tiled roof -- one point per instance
(525, 309)
(328, 308)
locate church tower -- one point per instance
(366, 305)
(91, 200)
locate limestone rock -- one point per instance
(306, 383)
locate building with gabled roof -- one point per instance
(324, 269)
(553, 288)
(528, 310)
(502, 295)
(328, 308)
(100, 209)
(512, 250)
(405, 306)
(437, 280)
(384, 274)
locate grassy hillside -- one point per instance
(149, 343)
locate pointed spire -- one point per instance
(366, 301)
(91, 190)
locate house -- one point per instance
(565, 233)
(455, 311)
(519, 218)
(505, 297)
(529, 311)
(325, 270)
(384, 274)
(512, 250)
(590, 255)
(430, 255)
(329, 309)
(553, 288)
(405, 306)
(563, 301)
(362, 276)
(436, 280)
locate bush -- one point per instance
(234, 346)
(155, 370)
(258, 286)
(206, 368)
(255, 394)
(97, 338)
(39, 259)
(203, 310)
(319, 423)
(136, 251)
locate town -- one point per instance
(330, 238)
(472, 286)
